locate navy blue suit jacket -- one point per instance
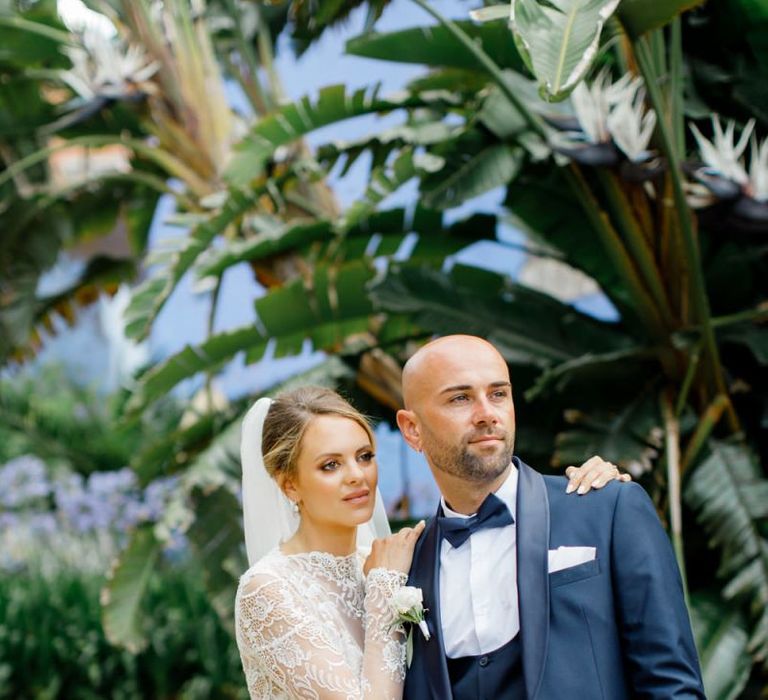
(613, 628)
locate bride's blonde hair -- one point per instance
(287, 420)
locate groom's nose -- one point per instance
(484, 413)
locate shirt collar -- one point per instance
(507, 492)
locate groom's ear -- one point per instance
(409, 427)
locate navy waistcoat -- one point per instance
(497, 675)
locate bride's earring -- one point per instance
(295, 506)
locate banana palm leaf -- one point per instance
(125, 588)
(291, 122)
(721, 634)
(631, 436)
(559, 39)
(493, 166)
(387, 179)
(150, 296)
(545, 208)
(729, 494)
(380, 234)
(479, 302)
(641, 16)
(325, 308)
(437, 47)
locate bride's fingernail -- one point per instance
(570, 488)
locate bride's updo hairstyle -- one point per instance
(287, 421)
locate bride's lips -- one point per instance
(358, 497)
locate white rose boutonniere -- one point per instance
(408, 606)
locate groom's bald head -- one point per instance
(446, 357)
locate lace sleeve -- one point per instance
(287, 651)
(384, 657)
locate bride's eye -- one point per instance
(330, 465)
(366, 456)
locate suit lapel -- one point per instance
(426, 575)
(532, 574)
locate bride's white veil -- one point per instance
(268, 514)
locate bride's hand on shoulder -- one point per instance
(394, 552)
(593, 474)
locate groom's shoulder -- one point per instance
(613, 497)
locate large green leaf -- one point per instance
(32, 38)
(291, 122)
(325, 309)
(382, 144)
(437, 47)
(729, 493)
(150, 297)
(559, 39)
(387, 179)
(493, 166)
(471, 300)
(640, 16)
(630, 437)
(721, 636)
(125, 588)
(217, 536)
(545, 208)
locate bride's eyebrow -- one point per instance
(326, 455)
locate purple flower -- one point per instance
(23, 480)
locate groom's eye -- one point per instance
(459, 398)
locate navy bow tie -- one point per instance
(493, 513)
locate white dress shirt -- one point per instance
(478, 584)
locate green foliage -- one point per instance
(126, 584)
(641, 16)
(437, 47)
(559, 40)
(470, 300)
(52, 643)
(730, 496)
(721, 638)
(46, 414)
(293, 121)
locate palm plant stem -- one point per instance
(672, 457)
(635, 240)
(690, 373)
(697, 289)
(709, 419)
(677, 112)
(260, 100)
(758, 314)
(613, 245)
(267, 58)
(14, 22)
(209, 332)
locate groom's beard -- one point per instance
(459, 460)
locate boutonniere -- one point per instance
(408, 605)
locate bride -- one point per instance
(314, 613)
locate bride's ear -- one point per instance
(288, 487)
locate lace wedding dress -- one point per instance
(312, 626)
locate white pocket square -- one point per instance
(567, 557)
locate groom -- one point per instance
(540, 594)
